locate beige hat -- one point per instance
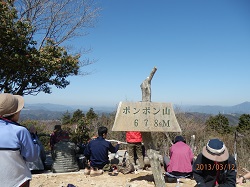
(215, 150)
(10, 104)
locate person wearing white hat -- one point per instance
(214, 166)
(16, 144)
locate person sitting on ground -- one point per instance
(214, 166)
(16, 144)
(57, 135)
(181, 157)
(242, 179)
(97, 151)
(134, 149)
(64, 156)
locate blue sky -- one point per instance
(201, 49)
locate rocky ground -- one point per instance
(78, 179)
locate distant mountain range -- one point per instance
(48, 111)
(65, 108)
(243, 108)
(54, 111)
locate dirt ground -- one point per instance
(78, 179)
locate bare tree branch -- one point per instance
(59, 20)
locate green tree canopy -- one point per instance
(244, 123)
(77, 115)
(25, 68)
(81, 133)
(218, 123)
(66, 118)
(90, 115)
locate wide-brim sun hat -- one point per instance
(215, 150)
(10, 104)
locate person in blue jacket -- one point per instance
(97, 150)
(16, 144)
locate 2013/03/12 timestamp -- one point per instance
(215, 166)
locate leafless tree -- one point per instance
(59, 20)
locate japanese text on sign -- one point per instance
(145, 116)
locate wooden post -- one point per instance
(153, 155)
(235, 146)
(192, 142)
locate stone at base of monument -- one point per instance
(145, 117)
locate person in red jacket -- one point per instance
(134, 140)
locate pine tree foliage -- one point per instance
(218, 123)
(90, 115)
(244, 123)
(77, 115)
(81, 133)
(66, 118)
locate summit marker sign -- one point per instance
(145, 117)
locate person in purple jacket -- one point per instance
(16, 144)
